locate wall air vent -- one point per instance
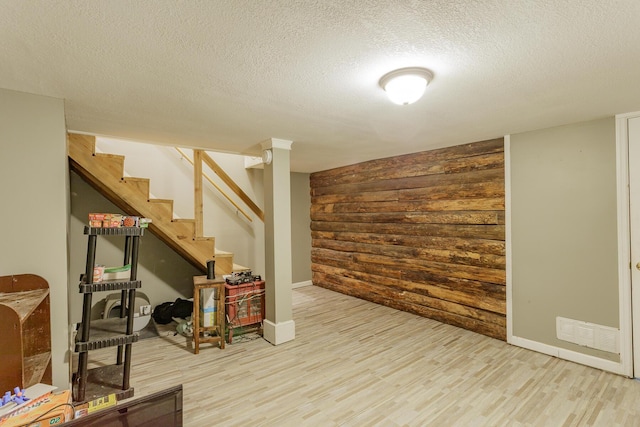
(590, 335)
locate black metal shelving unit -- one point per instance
(89, 384)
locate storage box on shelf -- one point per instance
(244, 305)
(52, 408)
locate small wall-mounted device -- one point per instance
(267, 157)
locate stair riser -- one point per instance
(140, 186)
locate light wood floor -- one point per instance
(355, 363)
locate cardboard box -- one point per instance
(130, 221)
(106, 220)
(117, 273)
(58, 403)
(208, 297)
(98, 273)
(95, 405)
(209, 317)
(208, 307)
(33, 393)
(99, 217)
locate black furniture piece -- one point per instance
(161, 409)
(96, 334)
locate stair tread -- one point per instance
(238, 267)
(111, 156)
(206, 239)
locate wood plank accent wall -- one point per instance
(423, 233)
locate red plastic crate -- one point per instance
(244, 303)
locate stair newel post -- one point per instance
(130, 312)
(197, 193)
(86, 318)
(123, 293)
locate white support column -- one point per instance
(279, 326)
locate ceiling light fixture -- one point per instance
(406, 85)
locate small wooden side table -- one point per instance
(199, 283)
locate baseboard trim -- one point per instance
(570, 355)
(301, 284)
(278, 333)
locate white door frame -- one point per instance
(629, 324)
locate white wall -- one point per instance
(564, 231)
(300, 228)
(34, 188)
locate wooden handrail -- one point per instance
(231, 183)
(217, 187)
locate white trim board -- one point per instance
(301, 284)
(570, 355)
(624, 243)
(279, 333)
(507, 237)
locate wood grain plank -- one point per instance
(478, 204)
(23, 303)
(461, 190)
(487, 246)
(413, 182)
(467, 150)
(395, 267)
(428, 254)
(483, 231)
(487, 296)
(440, 217)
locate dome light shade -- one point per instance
(406, 85)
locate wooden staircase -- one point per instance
(105, 172)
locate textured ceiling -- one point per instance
(226, 75)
